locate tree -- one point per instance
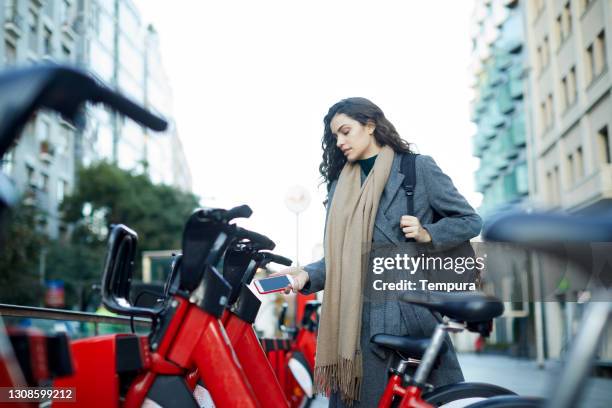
(105, 195)
(22, 242)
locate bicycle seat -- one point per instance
(461, 306)
(407, 346)
(521, 228)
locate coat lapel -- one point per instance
(393, 184)
(384, 224)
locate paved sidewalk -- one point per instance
(521, 376)
(525, 378)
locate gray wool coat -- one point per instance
(434, 190)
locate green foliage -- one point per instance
(110, 195)
(104, 195)
(22, 241)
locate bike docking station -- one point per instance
(200, 348)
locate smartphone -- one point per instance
(273, 284)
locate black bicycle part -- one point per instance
(118, 271)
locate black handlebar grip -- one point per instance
(130, 109)
(242, 211)
(262, 240)
(281, 260)
(281, 316)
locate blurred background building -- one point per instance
(542, 111)
(498, 108)
(570, 149)
(108, 38)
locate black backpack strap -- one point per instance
(408, 169)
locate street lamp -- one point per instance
(297, 200)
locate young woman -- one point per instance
(362, 154)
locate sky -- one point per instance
(252, 81)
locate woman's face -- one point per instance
(354, 139)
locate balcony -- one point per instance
(507, 147)
(522, 178)
(510, 188)
(14, 25)
(482, 179)
(47, 151)
(503, 60)
(479, 143)
(486, 91)
(518, 131)
(68, 30)
(504, 99)
(516, 88)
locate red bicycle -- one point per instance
(187, 332)
(460, 311)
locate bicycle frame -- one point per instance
(239, 268)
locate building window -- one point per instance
(567, 19)
(45, 134)
(33, 30)
(11, 53)
(549, 188)
(604, 145)
(590, 59)
(61, 190)
(559, 30)
(572, 87)
(48, 47)
(10, 9)
(546, 51)
(66, 53)
(552, 185)
(44, 182)
(565, 92)
(31, 176)
(539, 7)
(596, 57)
(543, 117)
(65, 11)
(600, 52)
(550, 112)
(579, 164)
(556, 185)
(570, 169)
(7, 162)
(563, 24)
(585, 4)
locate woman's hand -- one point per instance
(300, 279)
(412, 228)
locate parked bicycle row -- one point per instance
(202, 349)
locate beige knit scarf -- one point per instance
(349, 228)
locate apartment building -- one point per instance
(569, 150)
(498, 108)
(107, 38)
(570, 52)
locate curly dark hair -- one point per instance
(363, 111)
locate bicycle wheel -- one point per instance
(511, 401)
(464, 393)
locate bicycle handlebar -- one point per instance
(242, 211)
(130, 109)
(260, 240)
(270, 257)
(61, 89)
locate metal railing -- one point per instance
(69, 315)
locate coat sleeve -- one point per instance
(316, 270)
(459, 221)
